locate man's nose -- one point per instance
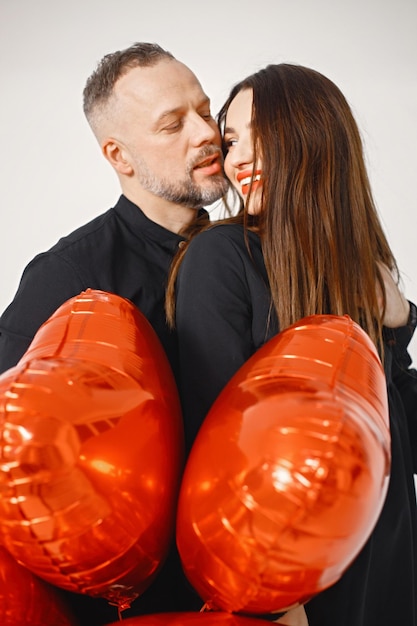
(205, 131)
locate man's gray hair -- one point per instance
(99, 86)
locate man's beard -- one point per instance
(185, 192)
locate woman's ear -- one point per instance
(397, 307)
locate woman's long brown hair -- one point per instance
(321, 236)
(193, 229)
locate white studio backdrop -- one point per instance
(52, 175)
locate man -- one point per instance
(152, 120)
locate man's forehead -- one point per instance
(161, 88)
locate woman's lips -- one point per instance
(249, 180)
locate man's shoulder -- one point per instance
(73, 262)
(99, 228)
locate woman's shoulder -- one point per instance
(222, 250)
(224, 229)
(223, 235)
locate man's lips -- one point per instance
(211, 165)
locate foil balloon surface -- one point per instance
(209, 618)
(25, 600)
(289, 471)
(91, 450)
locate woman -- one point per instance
(307, 240)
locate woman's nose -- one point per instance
(241, 153)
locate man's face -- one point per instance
(163, 123)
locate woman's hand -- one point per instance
(397, 306)
(295, 617)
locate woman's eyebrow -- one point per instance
(230, 129)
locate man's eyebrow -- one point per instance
(175, 110)
(166, 114)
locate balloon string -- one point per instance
(208, 607)
(121, 606)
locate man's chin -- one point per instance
(217, 186)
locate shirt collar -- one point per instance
(133, 215)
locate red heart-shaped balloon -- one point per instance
(209, 618)
(289, 471)
(26, 600)
(91, 450)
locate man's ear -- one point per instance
(117, 156)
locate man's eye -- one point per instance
(173, 126)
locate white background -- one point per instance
(52, 175)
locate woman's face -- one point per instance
(238, 164)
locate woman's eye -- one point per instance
(229, 143)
